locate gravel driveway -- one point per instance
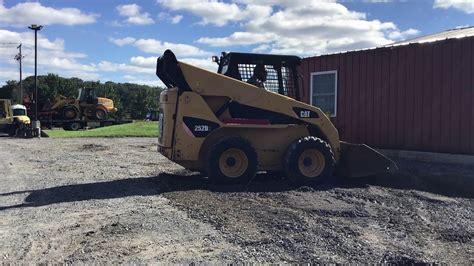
(119, 201)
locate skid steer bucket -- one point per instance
(358, 160)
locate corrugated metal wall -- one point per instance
(414, 97)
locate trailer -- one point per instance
(77, 124)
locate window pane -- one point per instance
(326, 103)
(324, 92)
(324, 83)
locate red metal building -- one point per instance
(413, 95)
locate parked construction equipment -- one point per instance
(87, 110)
(14, 120)
(87, 104)
(236, 122)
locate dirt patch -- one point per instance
(337, 222)
(118, 201)
(93, 147)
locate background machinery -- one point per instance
(74, 113)
(87, 104)
(14, 120)
(219, 124)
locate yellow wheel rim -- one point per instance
(311, 163)
(233, 162)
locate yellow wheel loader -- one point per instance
(87, 105)
(236, 122)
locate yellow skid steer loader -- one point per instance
(236, 122)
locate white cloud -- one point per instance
(216, 13)
(137, 64)
(167, 17)
(146, 65)
(466, 6)
(154, 46)
(176, 19)
(157, 46)
(377, 1)
(150, 62)
(297, 27)
(12, 74)
(52, 56)
(202, 63)
(239, 38)
(34, 13)
(139, 80)
(133, 14)
(261, 48)
(115, 23)
(123, 41)
(123, 67)
(400, 35)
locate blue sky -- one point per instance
(120, 40)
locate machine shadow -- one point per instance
(140, 186)
(144, 186)
(169, 182)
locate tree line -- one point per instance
(133, 101)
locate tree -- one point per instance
(8, 90)
(132, 100)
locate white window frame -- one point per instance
(335, 93)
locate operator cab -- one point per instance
(281, 70)
(87, 95)
(19, 110)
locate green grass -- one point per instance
(137, 129)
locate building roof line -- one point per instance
(457, 33)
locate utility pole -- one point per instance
(37, 125)
(19, 57)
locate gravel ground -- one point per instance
(119, 201)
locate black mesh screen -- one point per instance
(246, 71)
(271, 84)
(288, 82)
(272, 79)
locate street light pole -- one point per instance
(36, 28)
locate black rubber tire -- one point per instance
(20, 133)
(293, 154)
(13, 128)
(30, 133)
(69, 109)
(214, 153)
(100, 114)
(74, 126)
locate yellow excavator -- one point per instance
(236, 122)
